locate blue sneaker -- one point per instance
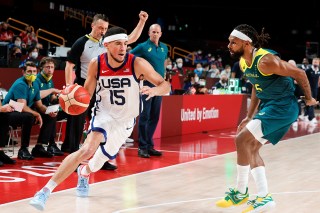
(83, 184)
(40, 198)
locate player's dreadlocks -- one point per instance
(257, 40)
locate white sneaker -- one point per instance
(129, 140)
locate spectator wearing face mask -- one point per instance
(198, 70)
(15, 57)
(223, 82)
(17, 42)
(33, 55)
(179, 66)
(227, 71)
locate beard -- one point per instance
(237, 54)
(114, 58)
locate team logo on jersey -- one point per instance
(261, 113)
(149, 50)
(104, 71)
(116, 83)
(126, 70)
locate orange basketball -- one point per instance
(74, 99)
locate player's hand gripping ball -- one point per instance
(74, 99)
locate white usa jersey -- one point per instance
(117, 91)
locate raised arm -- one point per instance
(135, 34)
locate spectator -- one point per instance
(17, 42)
(213, 72)
(198, 70)
(223, 82)
(23, 92)
(179, 67)
(6, 35)
(15, 57)
(29, 38)
(189, 82)
(305, 64)
(156, 53)
(33, 55)
(227, 71)
(49, 97)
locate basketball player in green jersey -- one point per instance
(272, 110)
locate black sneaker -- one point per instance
(108, 166)
(143, 153)
(24, 154)
(39, 151)
(1, 164)
(54, 150)
(5, 158)
(153, 152)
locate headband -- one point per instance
(242, 36)
(115, 37)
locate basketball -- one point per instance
(74, 99)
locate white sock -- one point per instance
(260, 178)
(242, 178)
(84, 171)
(51, 185)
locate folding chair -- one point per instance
(13, 137)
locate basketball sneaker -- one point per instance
(233, 198)
(83, 183)
(260, 204)
(40, 198)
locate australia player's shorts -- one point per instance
(276, 117)
(115, 133)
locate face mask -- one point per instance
(18, 55)
(169, 67)
(34, 55)
(179, 65)
(200, 69)
(17, 43)
(45, 76)
(30, 77)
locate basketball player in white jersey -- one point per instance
(114, 75)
